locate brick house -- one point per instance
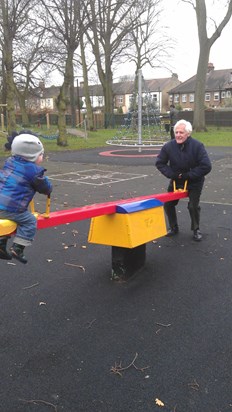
(42, 99)
(218, 90)
(156, 89)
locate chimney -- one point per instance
(175, 75)
(210, 67)
(42, 85)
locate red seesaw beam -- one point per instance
(86, 212)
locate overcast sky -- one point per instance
(181, 19)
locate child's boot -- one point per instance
(3, 252)
(17, 252)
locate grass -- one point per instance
(213, 137)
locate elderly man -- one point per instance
(181, 159)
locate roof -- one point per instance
(152, 85)
(120, 88)
(215, 80)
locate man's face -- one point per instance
(180, 134)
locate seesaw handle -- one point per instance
(180, 190)
(48, 205)
(47, 210)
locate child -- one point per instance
(21, 177)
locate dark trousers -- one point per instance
(193, 207)
(172, 134)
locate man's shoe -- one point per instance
(172, 231)
(197, 235)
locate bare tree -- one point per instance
(89, 109)
(14, 21)
(110, 24)
(65, 27)
(150, 45)
(30, 58)
(205, 44)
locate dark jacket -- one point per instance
(189, 159)
(19, 180)
(173, 116)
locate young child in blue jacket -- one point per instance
(21, 177)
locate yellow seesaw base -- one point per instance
(128, 230)
(7, 227)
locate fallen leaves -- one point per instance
(159, 402)
(194, 385)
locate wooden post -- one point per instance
(2, 122)
(48, 120)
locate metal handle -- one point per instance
(47, 210)
(180, 190)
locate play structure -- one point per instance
(143, 126)
(125, 225)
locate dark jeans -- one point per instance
(193, 207)
(172, 134)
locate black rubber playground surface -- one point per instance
(73, 340)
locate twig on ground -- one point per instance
(74, 265)
(117, 369)
(32, 286)
(90, 323)
(37, 401)
(162, 324)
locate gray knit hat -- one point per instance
(27, 146)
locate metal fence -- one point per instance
(212, 118)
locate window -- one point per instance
(228, 93)
(216, 96)
(184, 98)
(154, 97)
(100, 100)
(223, 95)
(120, 99)
(176, 98)
(131, 98)
(191, 98)
(207, 97)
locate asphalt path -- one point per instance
(73, 340)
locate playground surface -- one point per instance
(73, 340)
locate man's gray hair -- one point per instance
(188, 126)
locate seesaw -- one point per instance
(125, 225)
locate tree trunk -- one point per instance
(61, 105)
(89, 109)
(21, 100)
(108, 93)
(10, 87)
(205, 46)
(62, 101)
(199, 98)
(72, 101)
